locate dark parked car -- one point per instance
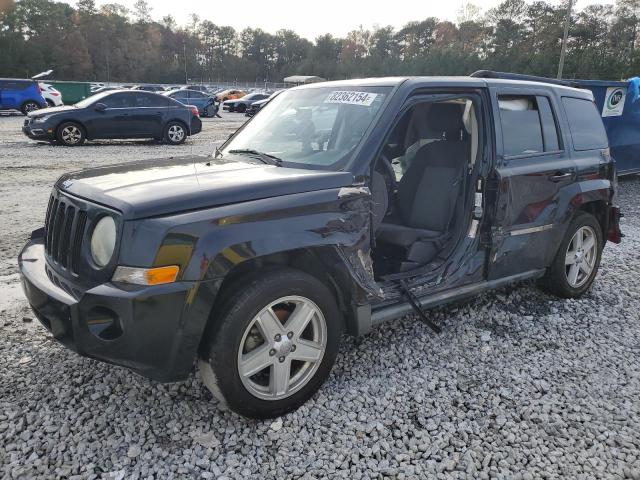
(115, 114)
(241, 104)
(256, 106)
(203, 101)
(197, 88)
(342, 205)
(149, 88)
(21, 94)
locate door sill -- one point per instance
(402, 308)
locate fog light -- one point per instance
(104, 323)
(146, 276)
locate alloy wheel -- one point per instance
(175, 133)
(581, 256)
(71, 134)
(31, 107)
(282, 348)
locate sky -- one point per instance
(312, 18)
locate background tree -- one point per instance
(111, 43)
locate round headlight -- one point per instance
(103, 241)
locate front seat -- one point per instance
(427, 194)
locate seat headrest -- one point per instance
(445, 117)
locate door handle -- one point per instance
(560, 176)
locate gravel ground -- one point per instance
(518, 385)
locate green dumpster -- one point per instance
(72, 92)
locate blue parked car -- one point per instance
(205, 102)
(18, 94)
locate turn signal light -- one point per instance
(146, 276)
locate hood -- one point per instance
(164, 186)
(48, 111)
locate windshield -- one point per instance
(93, 99)
(312, 127)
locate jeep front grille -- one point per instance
(64, 233)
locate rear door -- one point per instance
(148, 114)
(533, 175)
(182, 96)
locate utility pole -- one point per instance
(184, 51)
(563, 50)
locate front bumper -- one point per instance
(38, 131)
(154, 331)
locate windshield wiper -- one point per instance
(263, 157)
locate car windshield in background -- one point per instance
(93, 99)
(314, 127)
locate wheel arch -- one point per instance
(72, 120)
(324, 263)
(178, 120)
(599, 209)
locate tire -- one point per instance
(175, 133)
(574, 253)
(254, 318)
(241, 108)
(70, 134)
(50, 103)
(29, 106)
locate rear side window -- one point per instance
(16, 84)
(585, 124)
(528, 125)
(149, 100)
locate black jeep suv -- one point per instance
(337, 207)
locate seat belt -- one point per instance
(413, 301)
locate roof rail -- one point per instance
(520, 76)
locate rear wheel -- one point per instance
(70, 134)
(241, 108)
(576, 263)
(175, 133)
(273, 343)
(29, 106)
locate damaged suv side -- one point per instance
(338, 206)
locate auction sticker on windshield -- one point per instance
(351, 98)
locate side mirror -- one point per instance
(99, 107)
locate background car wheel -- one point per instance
(50, 103)
(70, 134)
(29, 107)
(272, 343)
(576, 263)
(241, 108)
(175, 133)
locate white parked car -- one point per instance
(51, 95)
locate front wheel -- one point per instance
(70, 134)
(175, 133)
(576, 263)
(272, 343)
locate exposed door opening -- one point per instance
(423, 186)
